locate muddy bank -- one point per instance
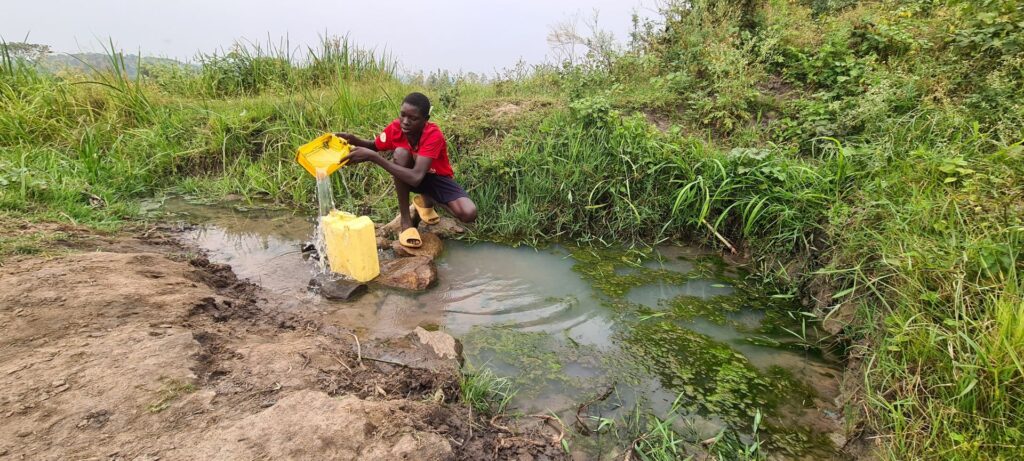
(140, 348)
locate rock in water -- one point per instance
(336, 289)
(412, 273)
(443, 344)
(431, 248)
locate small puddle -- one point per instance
(673, 332)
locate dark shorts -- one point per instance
(440, 188)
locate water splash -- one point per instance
(325, 202)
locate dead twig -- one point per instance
(335, 357)
(561, 429)
(586, 430)
(389, 362)
(499, 426)
(359, 350)
(720, 238)
(632, 449)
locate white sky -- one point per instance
(479, 36)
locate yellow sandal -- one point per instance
(427, 214)
(410, 238)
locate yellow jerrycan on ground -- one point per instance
(351, 245)
(328, 152)
(351, 241)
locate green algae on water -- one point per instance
(712, 377)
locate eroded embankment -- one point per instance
(138, 348)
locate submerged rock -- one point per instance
(431, 248)
(412, 273)
(336, 289)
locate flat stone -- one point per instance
(443, 344)
(446, 228)
(431, 248)
(336, 289)
(412, 273)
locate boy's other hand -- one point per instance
(360, 155)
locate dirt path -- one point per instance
(137, 349)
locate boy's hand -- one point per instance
(351, 138)
(360, 155)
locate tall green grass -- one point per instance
(105, 134)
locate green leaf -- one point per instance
(967, 389)
(844, 292)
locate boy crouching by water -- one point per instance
(420, 164)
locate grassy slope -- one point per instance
(877, 144)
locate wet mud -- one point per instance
(117, 347)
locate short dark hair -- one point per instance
(421, 102)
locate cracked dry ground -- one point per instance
(128, 349)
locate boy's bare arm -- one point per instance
(358, 142)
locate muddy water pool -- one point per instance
(673, 332)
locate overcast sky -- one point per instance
(479, 36)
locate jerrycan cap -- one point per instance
(328, 152)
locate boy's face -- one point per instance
(412, 121)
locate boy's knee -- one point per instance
(467, 215)
(402, 157)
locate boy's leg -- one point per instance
(404, 158)
(461, 208)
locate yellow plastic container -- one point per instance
(351, 245)
(325, 152)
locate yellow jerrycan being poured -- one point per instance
(328, 152)
(351, 245)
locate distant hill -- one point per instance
(88, 62)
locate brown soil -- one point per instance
(138, 349)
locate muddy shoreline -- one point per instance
(138, 347)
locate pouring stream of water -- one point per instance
(325, 200)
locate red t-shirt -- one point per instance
(432, 145)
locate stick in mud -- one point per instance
(586, 430)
